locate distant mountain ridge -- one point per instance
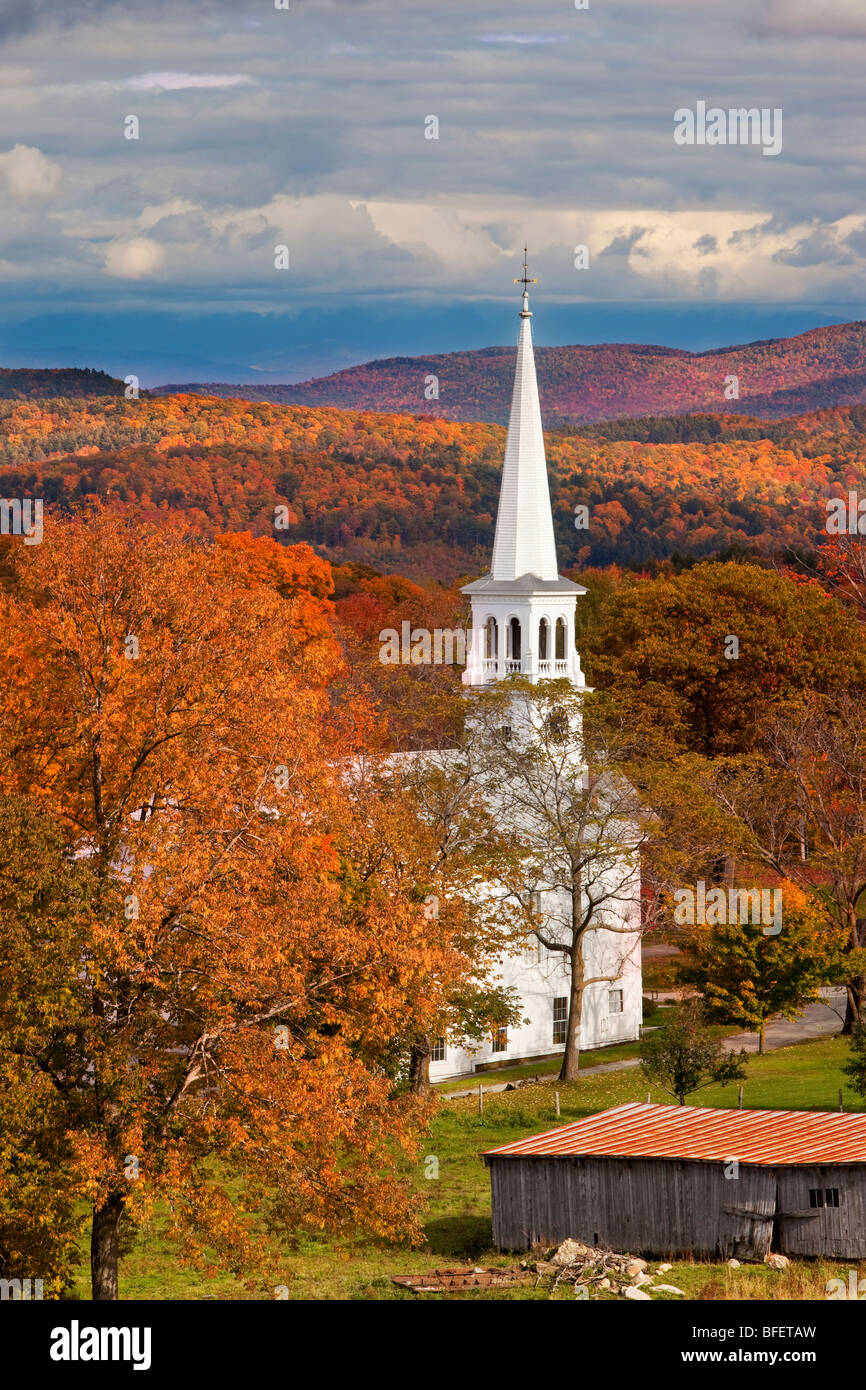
(776, 377)
(49, 383)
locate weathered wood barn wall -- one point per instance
(664, 1204)
(660, 1206)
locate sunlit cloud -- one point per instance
(183, 81)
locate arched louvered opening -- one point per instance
(543, 640)
(514, 645)
(491, 642)
(560, 639)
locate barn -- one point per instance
(674, 1180)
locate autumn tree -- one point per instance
(217, 1019)
(842, 567)
(747, 975)
(706, 654)
(416, 696)
(800, 804)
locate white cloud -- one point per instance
(523, 38)
(183, 81)
(28, 174)
(135, 259)
(833, 18)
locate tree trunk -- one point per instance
(104, 1249)
(856, 989)
(419, 1066)
(855, 1005)
(570, 1069)
(761, 1040)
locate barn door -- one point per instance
(749, 1212)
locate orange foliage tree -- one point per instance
(228, 996)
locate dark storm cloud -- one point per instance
(706, 245)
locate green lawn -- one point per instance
(806, 1076)
(547, 1069)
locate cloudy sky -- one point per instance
(305, 127)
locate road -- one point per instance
(816, 1021)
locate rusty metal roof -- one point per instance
(686, 1131)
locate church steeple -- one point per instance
(523, 541)
(523, 610)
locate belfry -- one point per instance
(523, 610)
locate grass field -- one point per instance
(457, 1203)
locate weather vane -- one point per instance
(524, 279)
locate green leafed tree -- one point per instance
(42, 897)
(855, 1067)
(747, 975)
(683, 1056)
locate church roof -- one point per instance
(523, 543)
(524, 584)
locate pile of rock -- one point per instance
(599, 1270)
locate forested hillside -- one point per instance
(26, 383)
(419, 496)
(776, 378)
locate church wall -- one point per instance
(540, 977)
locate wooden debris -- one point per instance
(599, 1269)
(451, 1280)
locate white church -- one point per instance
(523, 623)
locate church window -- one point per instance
(543, 627)
(505, 733)
(491, 644)
(560, 1020)
(614, 1001)
(514, 639)
(500, 1040)
(439, 1050)
(560, 639)
(535, 902)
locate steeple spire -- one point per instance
(526, 282)
(522, 611)
(523, 542)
